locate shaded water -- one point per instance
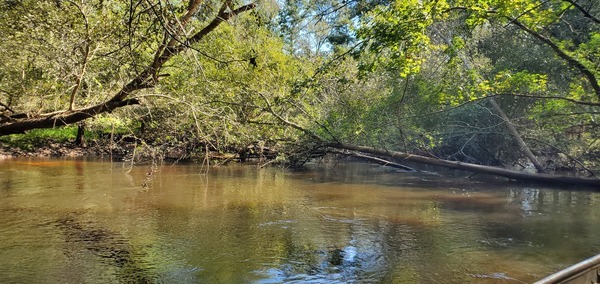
(96, 222)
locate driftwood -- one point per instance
(512, 174)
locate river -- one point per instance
(78, 221)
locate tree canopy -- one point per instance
(492, 82)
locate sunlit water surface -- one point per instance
(68, 221)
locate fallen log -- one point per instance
(512, 174)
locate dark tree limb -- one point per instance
(562, 54)
(61, 118)
(6, 107)
(585, 12)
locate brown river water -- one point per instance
(74, 221)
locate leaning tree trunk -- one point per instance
(512, 174)
(511, 128)
(517, 136)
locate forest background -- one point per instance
(503, 83)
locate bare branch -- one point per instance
(592, 174)
(585, 12)
(86, 55)
(287, 122)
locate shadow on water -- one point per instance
(109, 247)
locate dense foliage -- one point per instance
(473, 81)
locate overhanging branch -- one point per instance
(147, 78)
(62, 118)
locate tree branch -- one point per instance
(585, 12)
(372, 159)
(6, 107)
(517, 136)
(146, 78)
(592, 174)
(86, 55)
(570, 60)
(62, 118)
(289, 123)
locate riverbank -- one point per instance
(63, 149)
(129, 149)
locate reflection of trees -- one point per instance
(109, 247)
(260, 225)
(553, 221)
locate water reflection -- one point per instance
(85, 221)
(110, 248)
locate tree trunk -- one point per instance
(61, 118)
(513, 131)
(512, 174)
(145, 79)
(80, 139)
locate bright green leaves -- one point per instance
(588, 54)
(396, 35)
(521, 82)
(228, 81)
(531, 12)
